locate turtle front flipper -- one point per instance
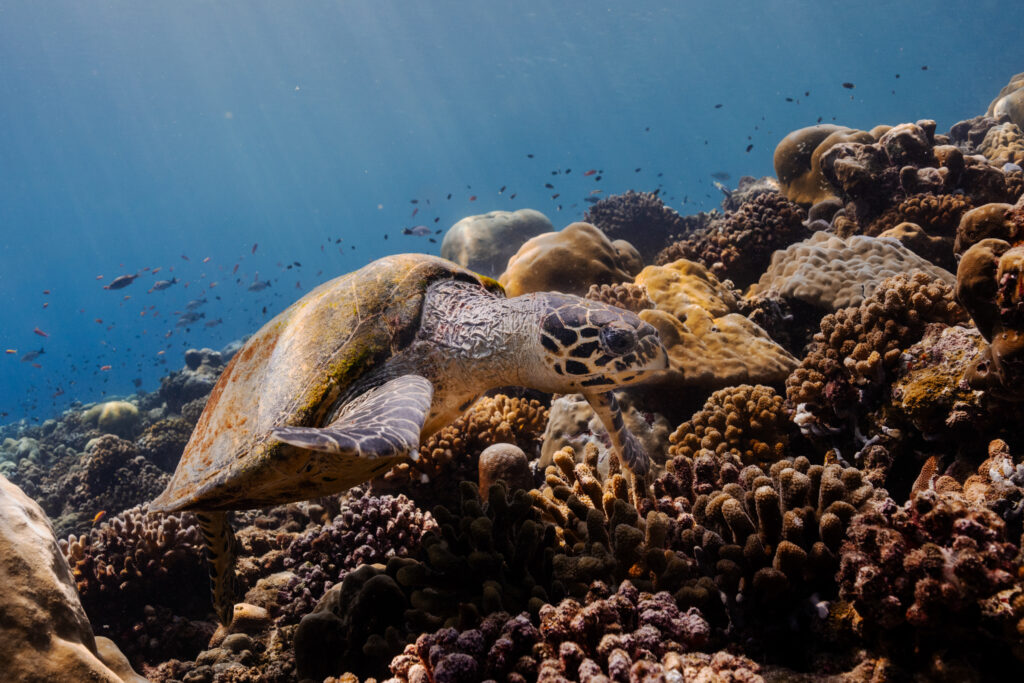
(383, 423)
(631, 453)
(221, 551)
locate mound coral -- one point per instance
(569, 261)
(163, 442)
(831, 273)
(798, 160)
(1010, 101)
(675, 286)
(1004, 144)
(739, 246)
(485, 242)
(641, 218)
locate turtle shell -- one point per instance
(292, 373)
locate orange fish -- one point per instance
(99, 516)
(206, 260)
(235, 269)
(99, 321)
(12, 351)
(40, 332)
(472, 198)
(46, 291)
(590, 172)
(105, 368)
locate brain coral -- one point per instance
(798, 160)
(568, 261)
(831, 273)
(485, 242)
(739, 246)
(639, 217)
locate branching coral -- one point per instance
(624, 295)
(143, 582)
(858, 348)
(748, 422)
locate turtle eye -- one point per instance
(618, 340)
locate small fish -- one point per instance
(11, 352)
(529, 156)
(924, 68)
(449, 195)
(213, 323)
(185, 258)
(556, 195)
(592, 200)
(121, 281)
(163, 284)
(549, 186)
(206, 260)
(99, 277)
(98, 321)
(718, 106)
(254, 245)
(105, 368)
(417, 230)
(46, 291)
(32, 355)
(194, 304)
(596, 191)
(849, 86)
(259, 285)
(415, 211)
(137, 382)
(98, 517)
(501, 190)
(720, 175)
(40, 332)
(472, 198)
(590, 173)
(188, 318)
(750, 147)
(636, 170)
(512, 196)
(235, 269)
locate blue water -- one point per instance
(137, 135)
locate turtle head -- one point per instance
(590, 346)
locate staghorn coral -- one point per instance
(632, 297)
(452, 452)
(484, 243)
(143, 581)
(368, 529)
(934, 574)
(639, 217)
(739, 246)
(859, 347)
(937, 215)
(748, 422)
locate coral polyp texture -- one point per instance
(836, 490)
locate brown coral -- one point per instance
(860, 346)
(798, 160)
(938, 215)
(739, 247)
(749, 422)
(639, 217)
(626, 295)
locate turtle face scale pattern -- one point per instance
(589, 346)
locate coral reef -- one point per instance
(830, 273)
(627, 295)
(674, 286)
(569, 261)
(484, 243)
(739, 246)
(641, 218)
(798, 160)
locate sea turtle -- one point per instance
(346, 382)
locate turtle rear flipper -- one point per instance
(221, 551)
(385, 422)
